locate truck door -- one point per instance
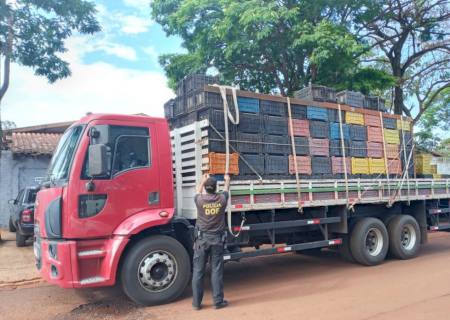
(97, 206)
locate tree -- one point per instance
(434, 121)
(32, 34)
(412, 38)
(268, 45)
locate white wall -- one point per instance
(17, 173)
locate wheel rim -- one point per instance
(374, 242)
(157, 271)
(408, 237)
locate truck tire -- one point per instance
(369, 242)
(11, 226)
(404, 237)
(20, 239)
(155, 270)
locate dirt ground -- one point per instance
(278, 287)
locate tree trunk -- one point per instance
(6, 71)
(398, 100)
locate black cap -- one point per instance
(210, 185)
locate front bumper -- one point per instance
(79, 263)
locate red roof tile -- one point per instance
(34, 143)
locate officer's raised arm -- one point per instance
(202, 183)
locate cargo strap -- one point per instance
(386, 163)
(406, 158)
(344, 157)
(294, 153)
(397, 192)
(235, 120)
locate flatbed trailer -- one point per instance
(331, 207)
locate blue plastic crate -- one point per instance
(248, 104)
(358, 133)
(317, 113)
(335, 132)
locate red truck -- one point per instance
(111, 212)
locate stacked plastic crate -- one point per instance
(325, 148)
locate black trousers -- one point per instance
(208, 246)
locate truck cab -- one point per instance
(107, 210)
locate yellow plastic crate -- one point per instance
(425, 157)
(391, 136)
(360, 166)
(423, 164)
(405, 124)
(377, 166)
(354, 117)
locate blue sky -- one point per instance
(114, 71)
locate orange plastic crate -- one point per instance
(372, 120)
(301, 128)
(395, 166)
(392, 151)
(303, 165)
(217, 163)
(374, 134)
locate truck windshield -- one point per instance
(62, 158)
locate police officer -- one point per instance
(209, 239)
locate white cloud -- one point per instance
(140, 4)
(134, 24)
(97, 87)
(117, 50)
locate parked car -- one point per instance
(21, 219)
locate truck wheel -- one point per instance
(404, 237)
(11, 225)
(156, 270)
(369, 241)
(20, 240)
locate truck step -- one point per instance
(286, 224)
(89, 254)
(283, 249)
(441, 227)
(92, 280)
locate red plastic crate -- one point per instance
(393, 151)
(301, 128)
(337, 165)
(374, 150)
(371, 120)
(303, 165)
(319, 147)
(374, 134)
(395, 166)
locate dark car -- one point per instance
(21, 219)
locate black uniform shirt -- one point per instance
(211, 211)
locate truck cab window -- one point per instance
(129, 149)
(130, 152)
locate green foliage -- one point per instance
(434, 123)
(179, 65)
(40, 28)
(269, 45)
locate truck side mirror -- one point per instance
(98, 160)
(12, 201)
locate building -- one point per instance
(24, 160)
